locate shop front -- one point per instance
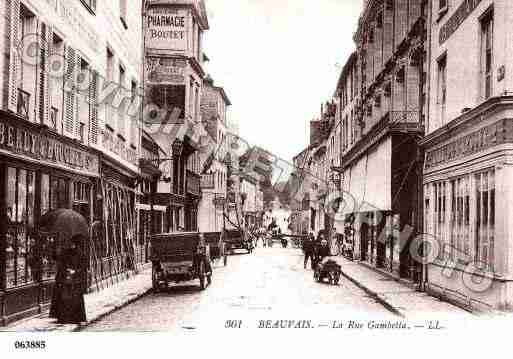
(39, 171)
(467, 207)
(379, 201)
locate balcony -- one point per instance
(404, 117)
(207, 181)
(193, 184)
(23, 104)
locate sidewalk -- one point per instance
(402, 299)
(98, 305)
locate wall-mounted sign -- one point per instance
(166, 28)
(459, 16)
(480, 140)
(46, 148)
(118, 146)
(166, 70)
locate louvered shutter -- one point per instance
(93, 108)
(43, 88)
(14, 61)
(69, 91)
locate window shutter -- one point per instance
(44, 99)
(69, 91)
(14, 63)
(93, 107)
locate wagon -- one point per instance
(328, 269)
(216, 245)
(180, 257)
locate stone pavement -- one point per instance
(398, 297)
(98, 305)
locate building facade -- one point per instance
(214, 108)
(173, 33)
(381, 95)
(66, 142)
(468, 148)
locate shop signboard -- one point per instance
(165, 70)
(166, 28)
(45, 147)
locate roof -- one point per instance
(345, 70)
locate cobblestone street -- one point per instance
(268, 284)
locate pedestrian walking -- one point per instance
(68, 305)
(309, 249)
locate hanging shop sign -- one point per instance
(459, 16)
(45, 148)
(489, 136)
(166, 70)
(166, 28)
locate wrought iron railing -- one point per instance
(404, 117)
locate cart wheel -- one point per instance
(202, 275)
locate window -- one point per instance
(81, 132)
(379, 20)
(20, 243)
(83, 100)
(121, 107)
(485, 219)
(169, 98)
(26, 80)
(487, 54)
(442, 88)
(463, 217)
(90, 5)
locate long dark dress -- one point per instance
(68, 296)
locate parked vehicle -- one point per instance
(217, 246)
(237, 239)
(180, 257)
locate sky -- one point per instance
(278, 60)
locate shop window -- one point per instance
(81, 193)
(484, 219)
(20, 243)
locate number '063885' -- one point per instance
(30, 345)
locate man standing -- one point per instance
(308, 249)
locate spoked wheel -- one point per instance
(202, 275)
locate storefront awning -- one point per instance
(367, 183)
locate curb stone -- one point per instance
(378, 297)
(111, 310)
